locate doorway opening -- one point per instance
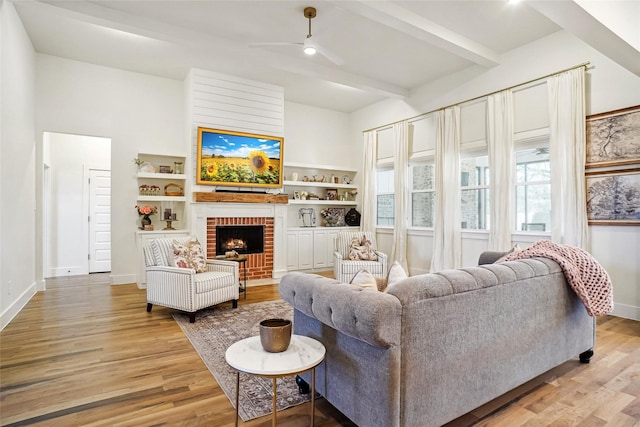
(77, 200)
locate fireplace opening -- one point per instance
(244, 239)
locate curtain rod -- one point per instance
(584, 64)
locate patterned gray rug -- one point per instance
(215, 330)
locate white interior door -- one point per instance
(99, 221)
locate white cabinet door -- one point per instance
(292, 250)
(320, 248)
(332, 237)
(305, 249)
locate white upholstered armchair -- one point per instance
(183, 288)
(344, 269)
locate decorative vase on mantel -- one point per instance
(145, 220)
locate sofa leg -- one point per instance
(586, 356)
(192, 317)
(235, 303)
(149, 305)
(303, 387)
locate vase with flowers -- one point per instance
(145, 212)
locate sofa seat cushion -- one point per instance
(212, 280)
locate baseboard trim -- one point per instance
(7, 316)
(626, 311)
(123, 279)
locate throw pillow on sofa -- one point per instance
(189, 255)
(365, 279)
(362, 250)
(396, 274)
(490, 257)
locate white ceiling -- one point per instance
(388, 48)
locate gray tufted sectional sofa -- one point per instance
(436, 346)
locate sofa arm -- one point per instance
(370, 316)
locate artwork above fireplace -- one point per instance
(244, 239)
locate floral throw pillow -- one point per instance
(189, 255)
(361, 249)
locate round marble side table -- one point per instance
(248, 356)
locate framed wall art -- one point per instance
(613, 197)
(238, 159)
(613, 138)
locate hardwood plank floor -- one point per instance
(84, 353)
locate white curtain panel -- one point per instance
(368, 218)
(446, 232)
(567, 153)
(501, 169)
(401, 196)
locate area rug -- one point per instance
(215, 330)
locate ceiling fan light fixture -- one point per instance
(309, 47)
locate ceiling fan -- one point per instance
(310, 46)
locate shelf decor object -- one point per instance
(145, 212)
(228, 158)
(173, 190)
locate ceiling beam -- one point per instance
(335, 75)
(574, 19)
(401, 19)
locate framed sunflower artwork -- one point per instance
(238, 159)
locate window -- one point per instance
(385, 207)
(533, 190)
(423, 197)
(474, 183)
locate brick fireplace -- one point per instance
(261, 268)
(259, 265)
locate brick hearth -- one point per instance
(259, 266)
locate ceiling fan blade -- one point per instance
(329, 55)
(262, 44)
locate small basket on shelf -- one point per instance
(172, 189)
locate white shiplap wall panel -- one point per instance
(225, 102)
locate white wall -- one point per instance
(138, 112)
(609, 87)
(17, 172)
(319, 136)
(70, 158)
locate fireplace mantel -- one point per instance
(202, 197)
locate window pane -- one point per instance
(533, 207)
(538, 171)
(385, 209)
(474, 171)
(475, 209)
(533, 165)
(422, 206)
(423, 178)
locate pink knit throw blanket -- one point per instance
(585, 275)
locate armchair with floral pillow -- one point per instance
(356, 250)
(179, 276)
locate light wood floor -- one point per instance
(86, 353)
